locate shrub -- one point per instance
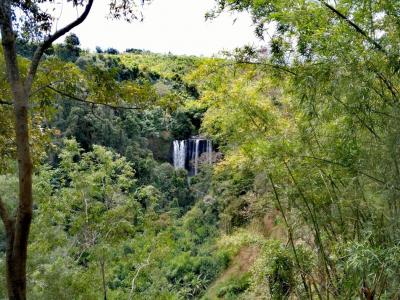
(234, 286)
(274, 270)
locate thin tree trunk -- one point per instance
(17, 227)
(16, 261)
(291, 240)
(103, 277)
(17, 237)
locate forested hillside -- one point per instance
(109, 202)
(288, 176)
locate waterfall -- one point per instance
(196, 156)
(209, 151)
(179, 154)
(190, 153)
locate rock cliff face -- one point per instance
(160, 146)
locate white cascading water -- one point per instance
(196, 157)
(187, 153)
(209, 151)
(179, 154)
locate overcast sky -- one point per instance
(176, 26)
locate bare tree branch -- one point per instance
(281, 68)
(75, 98)
(354, 113)
(290, 233)
(49, 40)
(234, 63)
(44, 87)
(141, 266)
(324, 160)
(355, 27)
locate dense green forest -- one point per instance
(296, 200)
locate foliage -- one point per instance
(234, 286)
(308, 172)
(92, 217)
(69, 50)
(312, 139)
(275, 267)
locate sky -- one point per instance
(176, 26)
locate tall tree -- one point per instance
(29, 17)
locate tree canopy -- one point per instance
(298, 199)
